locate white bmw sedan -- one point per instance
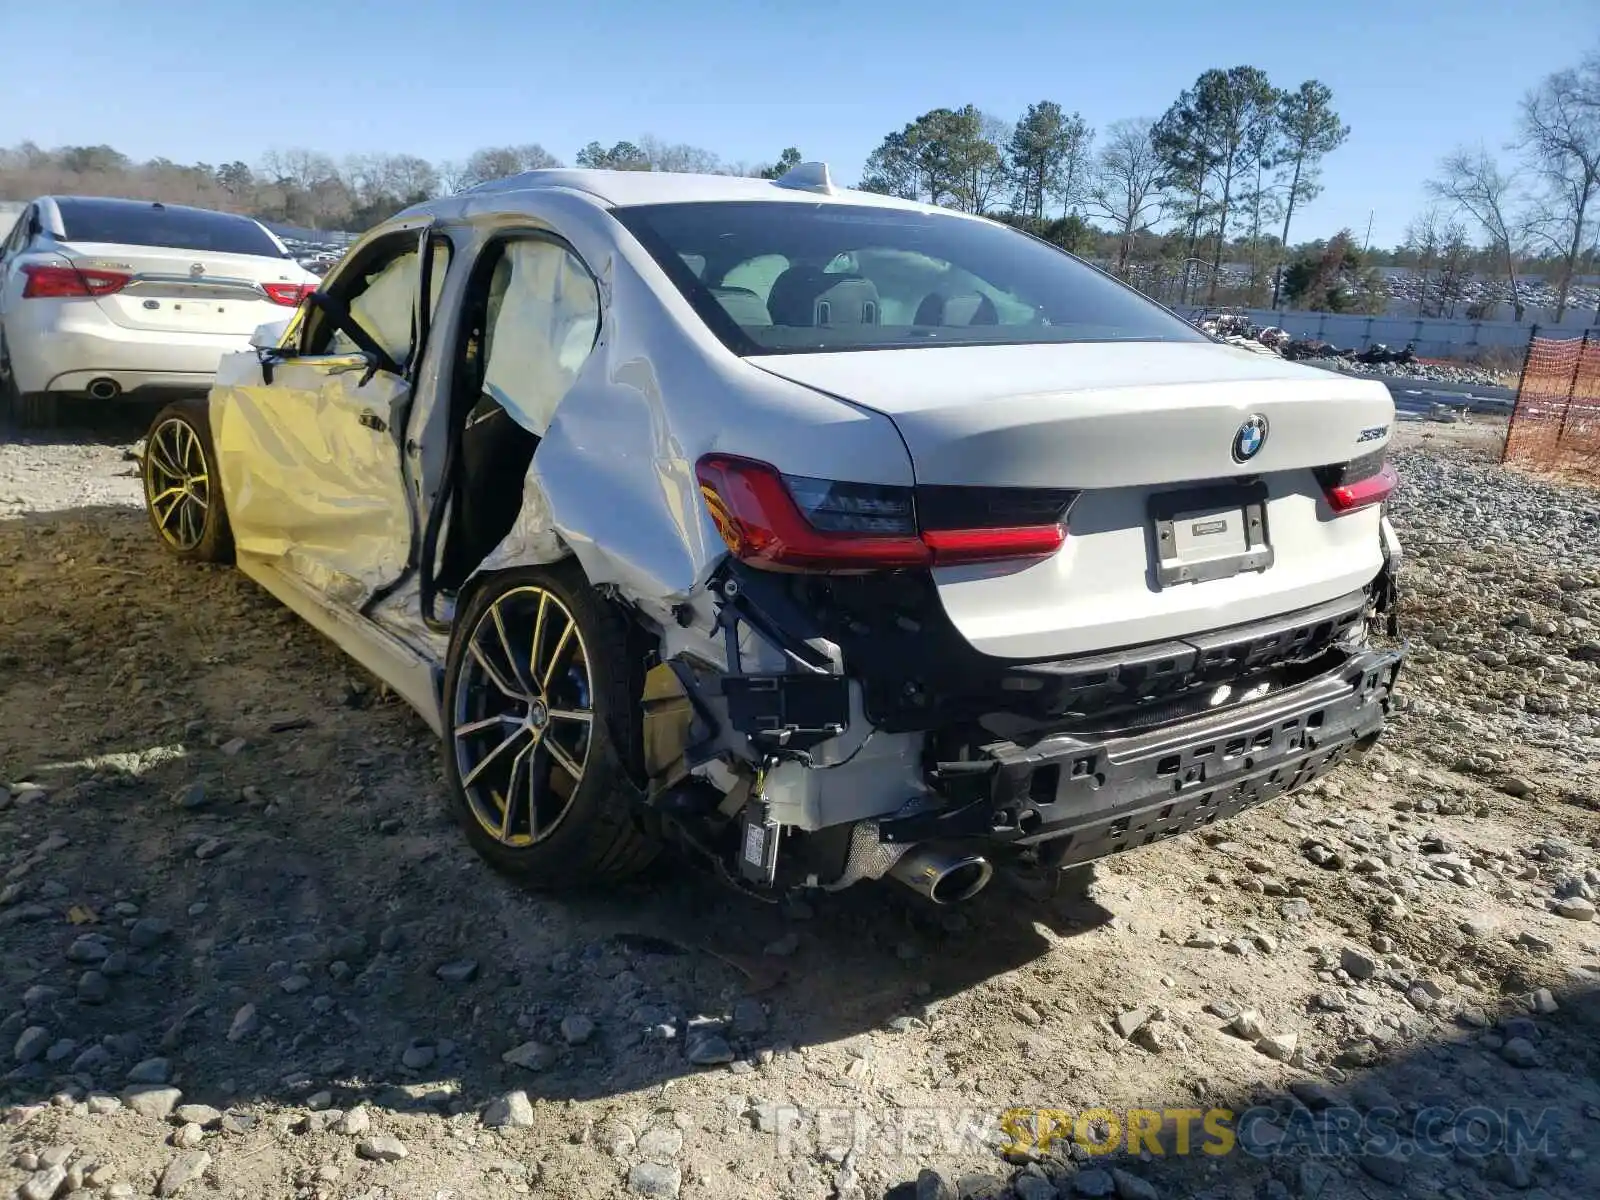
(827, 536)
(105, 298)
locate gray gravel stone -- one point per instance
(382, 1148)
(1093, 1182)
(661, 1144)
(197, 1114)
(245, 1022)
(152, 1100)
(461, 970)
(1520, 1052)
(32, 1044)
(710, 1050)
(45, 1185)
(354, 1123)
(530, 1056)
(151, 1070)
(1127, 1024)
(1575, 908)
(188, 1137)
(1358, 965)
(513, 1109)
(749, 1017)
(654, 1179)
(90, 948)
(576, 1029)
(93, 987)
(182, 1171)
(63, 1048)
(148, 931)
(1132, 1187)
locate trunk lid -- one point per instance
(168, 294)
(1146, 431)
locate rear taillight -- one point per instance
(1357, 484)
(46, 282)
(794, 523)
(287, 294)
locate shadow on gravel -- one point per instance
(80, 422)
(227, 867)
(1505, 1106)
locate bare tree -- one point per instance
(1127, 184)
(1072, 178)
(1560, 136)
(1424, 238)
(985, 174)
(678, 156)
(1473, 182)
(1455, 269)
(501, 162)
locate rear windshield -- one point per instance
(784, 277)
(179, 228)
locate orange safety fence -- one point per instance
(1556, 421)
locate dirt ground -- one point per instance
(243, 953)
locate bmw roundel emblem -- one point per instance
(1251, 437)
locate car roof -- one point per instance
(621, 189)
(123, 202)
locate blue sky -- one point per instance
(211, 80)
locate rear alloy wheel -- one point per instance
(539, 713)
(180, 485)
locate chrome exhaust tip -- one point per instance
(104, 389)
(942, 876)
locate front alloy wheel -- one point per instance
(180, 486)
(541, 714)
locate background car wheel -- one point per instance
(540, 720)
(181, 490)
(40, 411)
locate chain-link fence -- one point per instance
(1556, 421)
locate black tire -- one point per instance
(196, 527)
(596, 837)
(38, 410)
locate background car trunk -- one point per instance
(167, 295)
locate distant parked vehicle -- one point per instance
(107, 298)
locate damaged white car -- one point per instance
(828, 535)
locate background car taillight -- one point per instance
(1359, 483)
(287, 294)
(795, 523)
(48, 282)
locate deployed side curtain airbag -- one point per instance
(540, 332)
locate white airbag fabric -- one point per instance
(544, 315)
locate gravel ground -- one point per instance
(243, 953)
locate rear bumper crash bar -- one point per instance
(1078, 798)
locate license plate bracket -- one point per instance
(1206, 533)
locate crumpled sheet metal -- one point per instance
(308, 486)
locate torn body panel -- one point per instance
(311, 469)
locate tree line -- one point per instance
(304, 187)
(1538, 202)
(1227, 164)
(1164, 202)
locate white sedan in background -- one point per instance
(105, 298)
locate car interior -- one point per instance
(862, 287)
(531, 318)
